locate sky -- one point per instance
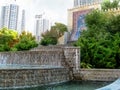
(54, 10)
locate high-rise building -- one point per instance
(23, 21)
(10, 16)
(85, 2)
(42, 25)
(5, 16)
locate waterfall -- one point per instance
(3, 60)
(76, 60)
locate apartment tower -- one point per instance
(10, 16)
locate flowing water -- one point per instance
(73, 85)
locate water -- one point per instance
(73, 85)
(18, 66)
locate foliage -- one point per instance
(51, 37)
(7, 39)
(51, 33)
(85, 65)
(60, 28)
(108, 4)
(26, 41)
(100, 44)
(116, 48)
(97, 49)
(49, 40)
(114, 24)
(4, 47)
(10, 41)
(100, 20)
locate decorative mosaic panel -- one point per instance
(78, 23)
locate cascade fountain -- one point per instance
(36, 67)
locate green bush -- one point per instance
(100, 43)
(4, 47)
(49, 41)
(26, 42)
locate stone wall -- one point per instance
(97, 74)
(61, 61)
(65, 56)
(71, 55)
(67, 60)
(20, 78)
(72, 58)
(48, 48)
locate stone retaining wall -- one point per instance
(52, 55)
(72, 58)
(66, 58)
(97, 74)
(71, 55)
(20, 78)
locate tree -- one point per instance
(100, 43)
(51, 33)
(60, 28)
(26, 41)
(109, 5)
(10, 41)
(52, 36)
(96, 49)
(114, 24)
(7, 39)
(49, 41)
(97, 19)
(116, 48)
(49, 37)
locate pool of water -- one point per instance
(73, 85)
